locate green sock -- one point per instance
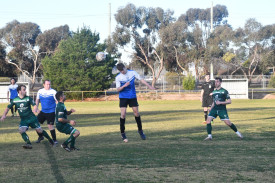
(209, 128)
(69, 140)
(26, 138)
(73, 141)
(233, 127)
(45, 134)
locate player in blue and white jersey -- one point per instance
(12, 94)
(47, 98)
(125, 84)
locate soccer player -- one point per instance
(12, 94)
(23, 104)
(64, 125)
(125, 84)
(46, 96)
(221, 98)
(206, 98)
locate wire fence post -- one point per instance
(105, 95)
(156, 94)
(82, 96)
(252, 94)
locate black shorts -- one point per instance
(124, 102)
(207, 101)
(50, 117)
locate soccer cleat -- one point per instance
(124, 138)
(74, 149)
(52, 142)
(208, 138)
(39, 139)
(27, 146)
(240, 135)
(142, 135)
(55, 142)
(64, 146)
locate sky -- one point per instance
(95, 13)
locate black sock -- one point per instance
(53, 134)
(138, 120)
(122, 125)
(40, 135)
(209, 128)
(233, 127)
(12, 110)
(205, 115)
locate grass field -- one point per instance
(174, 151)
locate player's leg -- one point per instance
(41, 118)
(134, 105)
(68, 129)
(23, 127)
(75, 135)
(233, 127)
(50, 121)
(205, 111)
(12, 113)
(123, 103)
(212, 115)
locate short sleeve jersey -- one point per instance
(128, 92)
(47, 99)
(208, 87)
(60, 112)
(13, 91)
(220, 95)
(23, 106)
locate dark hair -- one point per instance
(13, 79)
(58, 95)
(120, 66)
(19, 88)
(46, 80)
(207, 73)
(218, 78)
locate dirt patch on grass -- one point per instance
(269, 96)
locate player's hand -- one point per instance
(72, 110)
(210, 94)
(218, 102)
(127, 84)
(72, 122)
(152, 88)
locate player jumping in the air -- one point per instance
(125, 84)
(64, 125)
(23, 104)
(220, 99)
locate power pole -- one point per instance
(109, 20)
(211, 65)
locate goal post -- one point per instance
(237, 88)
(4, 90)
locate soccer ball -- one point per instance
(100, 56)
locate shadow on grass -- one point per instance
(53, 162)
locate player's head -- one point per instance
(207, 76)
(60, 97)
(13, 81)
(218, 82)
(21, 90)
(47, 84)
(121, 67)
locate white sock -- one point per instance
(238, 133)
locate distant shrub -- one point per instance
(189, 82)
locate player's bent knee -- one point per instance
(76, 133)
(22, 129)
(39, 130)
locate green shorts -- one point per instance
(32, 122)
(221, 113)
(65, 128)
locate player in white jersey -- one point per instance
(47, 98)
(125, 84)
(12, 94)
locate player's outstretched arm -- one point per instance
(5, 114)
(71, 111)
(145, 83)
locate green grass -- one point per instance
(174, 151)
